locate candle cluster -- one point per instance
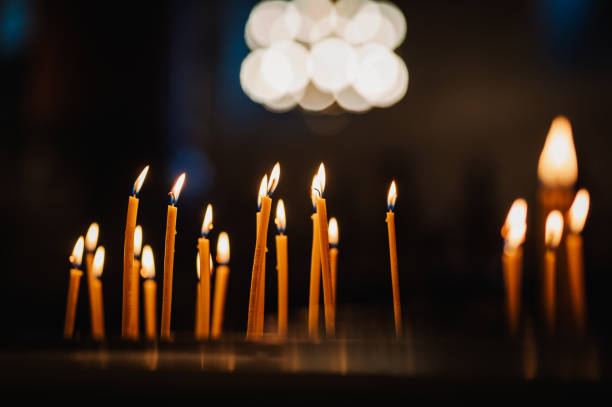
(557, 172)
(139, 263)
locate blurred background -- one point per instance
(94, 91)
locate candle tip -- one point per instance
(140, 181)
(578, 211)
(273, 180)
(223, 249)
(333, 233)
(98, 262)
(148, 265)
(176, 189)
(515, 226)
(76, 258)
(280, 220)
(263, 188)
(554, 229)
(91, 238)
(207, 225)
(391, 196)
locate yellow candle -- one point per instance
(333, 256)
(315, 268)
(261, 290)
(204, 255)
(221, 277)
(328, 295)
(575, 259)
(282, 268)
(150, 291)
(552, 238)
(513, 233)
(91, 242)
(260, 246)
(397, 308)
(128, 248)
(133, 291)
(97, 268)
(73, 287)
(169, 259)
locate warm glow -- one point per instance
(147, 269)
(207, 225)
(223, 249)
(554, 229)
(391, 196)
(558, 166)
(210, 264)
(578, 211)
(91, 238)
(198, 264)
(515, 226)
(273, 181)
(98, 262)
(313, 192)
(263, 188)
(76, 258)
(333, 232)
(137, 241)
(281, 222)
(140, 180)
(176, 189)
(321, 179)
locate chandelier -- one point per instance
(314, 53)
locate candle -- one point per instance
(149, 287)
(96, 270)
(397, 310)
(576, 217)
(169, 258)
(260, 246)
(282, 268)
(73, 287)
(315, 269)
(333, 256)
(328, 295)
(91, 242)
(128, 248)
(204, 254)
(198, 318)
(133, 291)
(223, 257)
(513, 233)
(552, 238)
(261, 289)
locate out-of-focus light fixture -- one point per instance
(312, 53)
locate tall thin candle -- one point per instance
(150, 292)
(315, 269)
(552, 238)
(221, 277)
(128, 248)
(134, 290)
(282, 268)
(169, 258)
(397, 308)
(73, 287)
(204, 252)
(91, 242)
(97, 268)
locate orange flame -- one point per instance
(280, 220)
(274, 177)
(140, 180)
(554, 229)
(391, 196)
(76, 258)
(263, 188)
(148, 265)
(91, 238)
(558, 165)
(223, 248)
(207, 225)
(176, 189)
(137, 241)
(578, 211)
(332, 230)
(515, 226)
(98, 262)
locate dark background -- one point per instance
(94, 91)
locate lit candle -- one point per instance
(204, 253)
(513, 233)
(261, 289)
(315, 268)
(133, 291)
(96, 270)
(282, 268)
(91, 242)
(328, 295)
(397, 309)
(198, 317)
(222, 274)
(333, 256)
(128, 248)
(552, 238)
(260, 247)
(73, 287)
(149, 287)
(169, 258)
(576, 217)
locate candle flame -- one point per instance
(91, 238)
(76, 258)
(137, 241)
(318, 184)
(176, 189)
(148, 264)
(273, 181)
(578, 211)
(140, 181)
(321, 178)
(223, 248)
(391, 196)
(263, 188)
(280, 220)
(333, 232)
(515, 226)
(207, 225)
(98, 262)
(558, 165)
(554, 229)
